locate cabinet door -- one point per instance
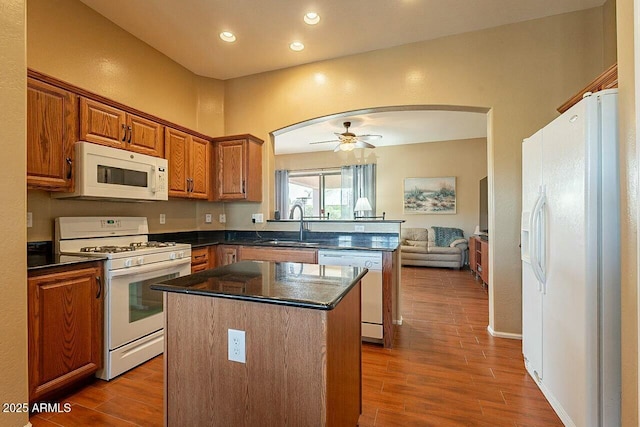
(52, 129)
(64, 327)
(484, 255)
(226, 255)
(144, 136)
(176, 148)
(199, 167)
(473, 245)
(102, 124)
(231, 170)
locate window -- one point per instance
(318, 192)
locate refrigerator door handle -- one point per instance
(537, 244)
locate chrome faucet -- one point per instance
(301, 217)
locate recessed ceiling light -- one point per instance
(297, 46)
(311, 18)
(228, 36)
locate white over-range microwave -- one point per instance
(110, 173)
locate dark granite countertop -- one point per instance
(40, 256)
(314, 240)
(295, 284)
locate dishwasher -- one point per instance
(371, 285)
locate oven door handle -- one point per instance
(148, 268)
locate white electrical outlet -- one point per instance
(163, 218)
(222, 218)
(257, 217)
(29, 219)
(237, 350)
(207, 218)
(359, 227)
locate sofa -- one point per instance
(418, 247)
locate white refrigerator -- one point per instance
(570, 251)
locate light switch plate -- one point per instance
(207, 218)
(222, 218)
(163, 218)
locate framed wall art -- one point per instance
(430, 195)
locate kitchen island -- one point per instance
(301, 350)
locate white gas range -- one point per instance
(133, 313)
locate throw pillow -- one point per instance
(417, 243)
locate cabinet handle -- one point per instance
(124, 133)
(70, 163)
(243, 187)
(129, 139)
(191, 185)
(99, 280)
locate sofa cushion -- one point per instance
(414, 234)
(422, 243)
(414, 249)
(444, 250)
(457, 242)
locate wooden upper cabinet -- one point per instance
(238, 169)
(52, 130)
(65, 328)
(106, 125)
(189, 162)
(607, 80)
(102, 124)
(145, 136)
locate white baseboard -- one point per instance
(504, 334)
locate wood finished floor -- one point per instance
(444, 370)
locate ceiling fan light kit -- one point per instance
(349, 140)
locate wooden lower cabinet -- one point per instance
(479, 258)
(202, 258)
(226, 254)
(65, 327)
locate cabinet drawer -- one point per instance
(200, 256)
(262, 253)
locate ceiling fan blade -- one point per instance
(362, 144)
(324, 142)
(368, 137)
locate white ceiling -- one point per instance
(396, 128)
(187, 32)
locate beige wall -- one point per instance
(522, 72)
(13, 287)
(610, 28)
(629, 208)
(464, 159)
(70, 41)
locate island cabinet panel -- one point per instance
(106, 125)
(262, 253)
(52, 130)
(65, 309)
(303, 366)
(238, 169)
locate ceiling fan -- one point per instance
(349, 140)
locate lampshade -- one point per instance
(362, 204)
(347, 146)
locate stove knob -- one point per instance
(128, 262)
(172, 256)
(140, 260)
(181, 254)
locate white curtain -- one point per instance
(358, 181)
(282, 192)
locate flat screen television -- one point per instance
(483, 213)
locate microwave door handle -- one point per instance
(154, 172)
